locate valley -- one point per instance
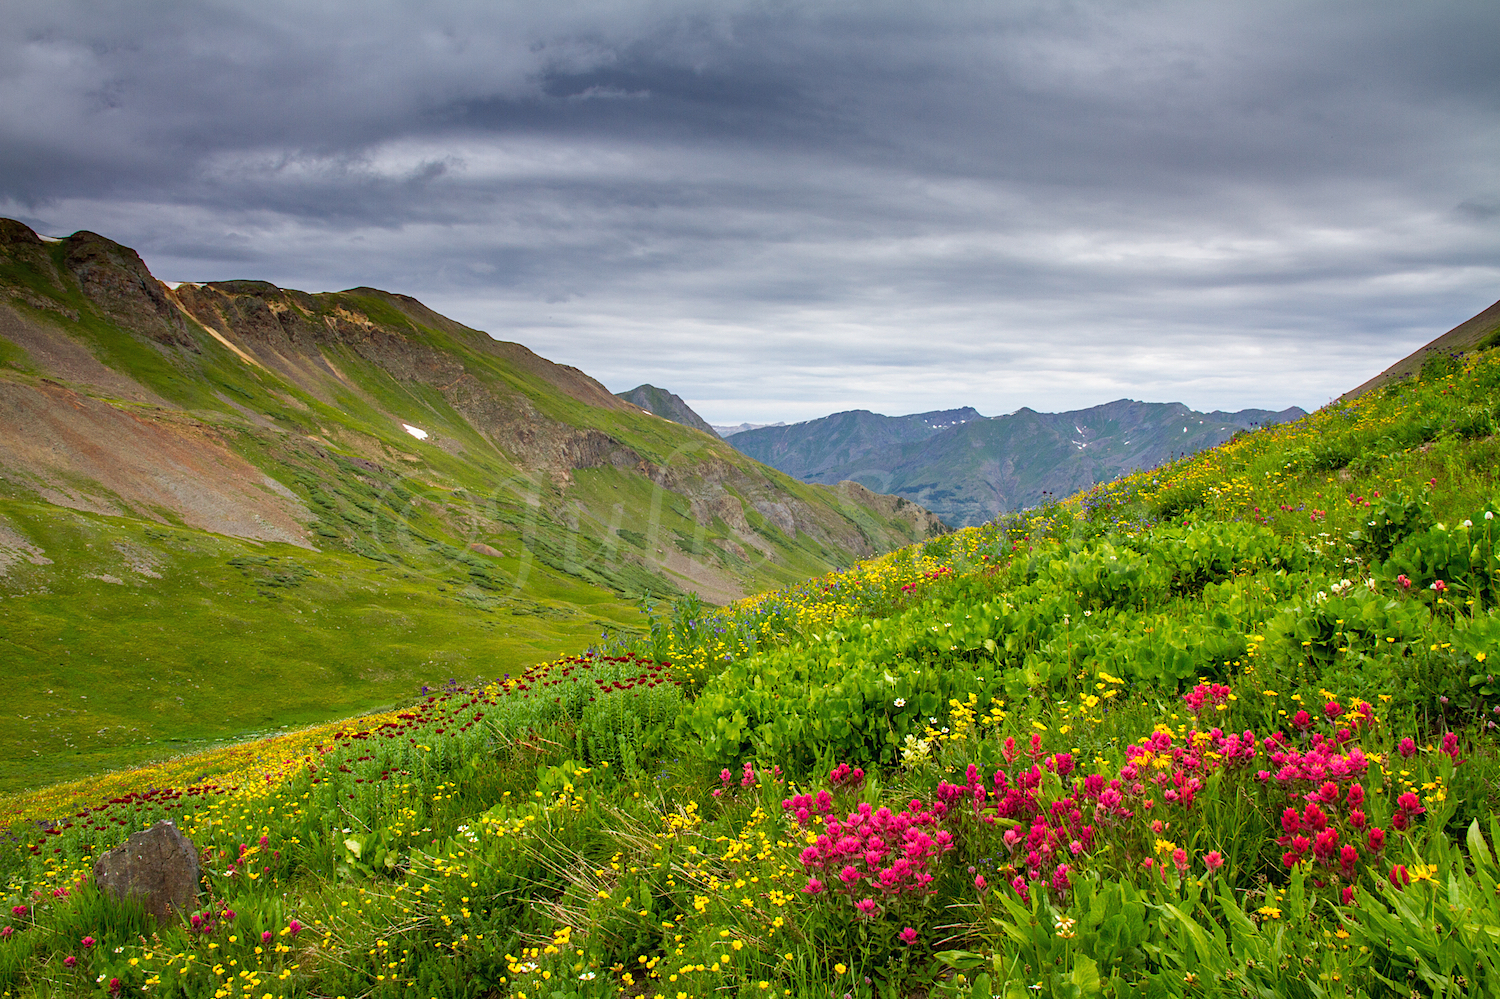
(295, 506)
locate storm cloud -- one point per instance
(780, 210)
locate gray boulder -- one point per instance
(157, 865)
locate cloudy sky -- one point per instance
(781, 210)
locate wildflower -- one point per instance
(900, 702)
(294, 927)
(1450, 745)
(70, 961)
(1213, 860)
(1407, 747)
(1403, 581)
(88, 942)
(908, 936)
(6, 932)
(1375, 839)
(980, 883)
(1440, 587)
(1399, 876)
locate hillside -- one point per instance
(667, 405)
(1223, 728)
(231, 507)
(967, 468)
(1478, 333)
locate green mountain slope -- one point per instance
(232, 507)
(967, 468)
(667, 405)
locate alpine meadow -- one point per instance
(1224, 727)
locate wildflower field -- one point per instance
(1223, 728)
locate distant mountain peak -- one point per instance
(667, 405)
(729, 430)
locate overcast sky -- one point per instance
(782, 210)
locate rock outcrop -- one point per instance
(159, 866)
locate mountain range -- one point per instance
(729, 430)
(331, 499)
(967, 468)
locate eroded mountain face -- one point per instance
(246, 410)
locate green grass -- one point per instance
(238, 639)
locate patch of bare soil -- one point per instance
(141, 560)
(15, 548)
(85, 454)
(57, 355)
(701, 578)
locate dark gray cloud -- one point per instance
(779, 210)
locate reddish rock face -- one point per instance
(159, 866)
